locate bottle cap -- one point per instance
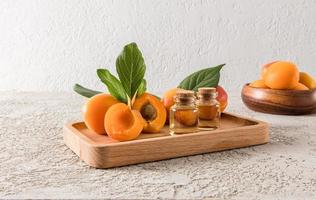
(185, 93)
(207, 90)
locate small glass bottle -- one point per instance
(184, 113)
(209, 109)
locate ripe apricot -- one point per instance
(265, 68)
(307, 80)
(153, 112)
(222, 97)
(281, 75)
(300, 86)
(258, 84)
(121, 123)
(168, 98)
(94, 111)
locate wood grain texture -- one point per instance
(100, 151)
(283, 102)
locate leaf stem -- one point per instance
(134, 98)
(129, 103)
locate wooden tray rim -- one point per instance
(90, 142)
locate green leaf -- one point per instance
(156, 97)
(208, 77)
(130, 67)
(85, 91)
(142, 88)
(113, 84)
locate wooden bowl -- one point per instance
(282, 102)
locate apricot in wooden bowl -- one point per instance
(282, 102)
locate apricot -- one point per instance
(300, 86)
(94, 111)
(168, 98)
(265, 68)
(152, 111)
(307, 80)
(122, 124)
(186, 117)
(222, 97)
(281, 75)
(258, 84)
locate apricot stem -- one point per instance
(134, 98)
(129, 102)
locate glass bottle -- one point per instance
(184, 113)
(209, 109)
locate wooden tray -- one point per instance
(100, 151)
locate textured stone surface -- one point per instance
(34, 162)
(50, 45)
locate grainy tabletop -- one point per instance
(35, 163)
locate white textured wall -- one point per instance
(50, 45)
